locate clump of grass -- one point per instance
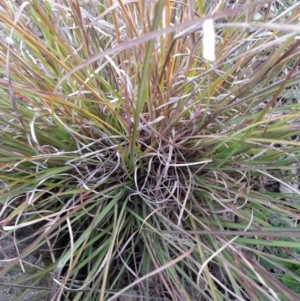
(148, 169)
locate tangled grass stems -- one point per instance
(137, 164)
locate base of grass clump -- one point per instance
(144, 169)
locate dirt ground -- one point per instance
(31, 265)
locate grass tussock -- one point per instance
(145, 169)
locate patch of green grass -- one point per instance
(144, 168)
